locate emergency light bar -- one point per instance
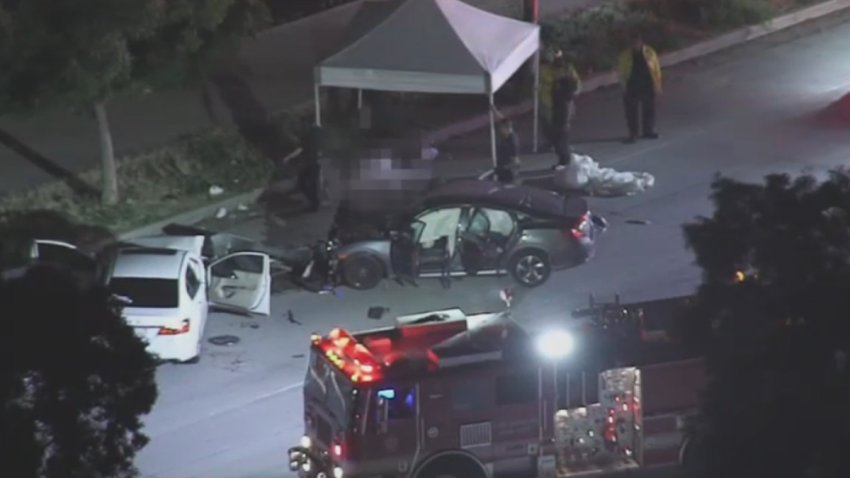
(349, 356)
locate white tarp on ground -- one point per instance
(585, 174)
(433, 46)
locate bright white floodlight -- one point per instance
(555, 344)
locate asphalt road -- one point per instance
(744, 114)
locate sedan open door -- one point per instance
(241, 282)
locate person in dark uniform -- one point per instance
(640, 75)
(507, 152)
(563, 108)
(308, 154)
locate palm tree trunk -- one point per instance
(109, 173)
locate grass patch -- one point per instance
(157, 184)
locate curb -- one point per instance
(193, 216)
(727, 40)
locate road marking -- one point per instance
(258, 398)
(224, 411)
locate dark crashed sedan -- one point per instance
(471, 227)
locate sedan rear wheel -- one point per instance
(530, 268)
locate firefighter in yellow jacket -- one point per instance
(559, 84)
(640, 75)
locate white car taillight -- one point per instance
(183, 329)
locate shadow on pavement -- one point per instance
(599, 140)
(47, 165)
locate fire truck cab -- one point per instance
(445, 394)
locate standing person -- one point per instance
(548, 78)
(507, 151)
(565, 89)
(309, 154)
(558, 67)
(640, 74)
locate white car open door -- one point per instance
(241, 282)
(55, 252)
(66, 256)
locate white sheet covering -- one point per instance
(585, 174)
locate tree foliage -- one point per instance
(80, 52)
(288, 10)
(775, 341)
(74, 381)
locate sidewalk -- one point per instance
(276, 74)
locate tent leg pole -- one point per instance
(493, 129)
(359, 100)
(317, 95)
(536, 140)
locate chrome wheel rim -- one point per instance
(530, 269)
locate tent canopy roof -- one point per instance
(431, 46)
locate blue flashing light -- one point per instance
(409, 400)
(387, 394)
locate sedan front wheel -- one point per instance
(362, 272)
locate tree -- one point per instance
(775, 337)
(83, 53)
(290, 10)
(74, 381)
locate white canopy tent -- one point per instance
(435, 46)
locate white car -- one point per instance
(167, 290)
(166, 285)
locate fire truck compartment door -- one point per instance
(436, 430)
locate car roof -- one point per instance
(519, 198)
(148, 263)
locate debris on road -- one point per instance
(216, 190)
(298, 356)
(638, 222)
(291, 317)
(224, 340)
(376, 313)
(221, 213)
(241, 207)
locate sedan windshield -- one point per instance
(143, 292)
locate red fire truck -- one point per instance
(468, 396)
